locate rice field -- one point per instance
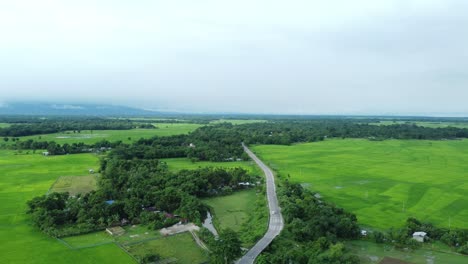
(382, 182)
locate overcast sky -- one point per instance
(303, 57)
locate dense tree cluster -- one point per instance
(313, 230)
(138, 190)
(225, 249)
(47, 126)
(213, 143)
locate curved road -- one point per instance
(276, 219)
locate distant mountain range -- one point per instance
(30, 108)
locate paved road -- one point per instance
(276, 219)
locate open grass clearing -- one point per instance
(382, 182)
(245, 212)
(3, 125)
(180, 246)
(23, 177)
(75, 184)
(232, 211)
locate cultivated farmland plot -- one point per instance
(382, 182)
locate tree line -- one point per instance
(47, 126)
(313, 231)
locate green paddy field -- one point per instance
(382, 182)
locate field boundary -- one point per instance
(52, 185)
(128, 253)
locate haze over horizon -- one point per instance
(292, 57)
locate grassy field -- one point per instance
(245, 212)
(23, 177)
(232, 211)
(2, 125)
(75, 184)
(177, 164)
(181, 246)
(127, 136)
(424, 124)
(370, 252)
(133, 234)
(382, 182)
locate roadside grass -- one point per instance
(180, 246)
(382, 182)
(177, 164)
(370, 252)
(244, 211)
(126, 136)
(423, 123)
(75, 184)
(23, 177)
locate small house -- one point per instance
(150, 209)
(91, 171)
(419, 236)
(109, 202)
(45, 153)
(191, 145)
(363, 232)
(168, 215)
(115, 231)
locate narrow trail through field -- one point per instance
(275, 224)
